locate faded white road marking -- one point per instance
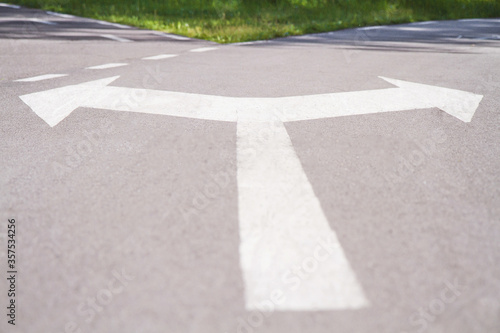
(118, 39)
(36, 20)
(9, 6)
(116, 25)
(172, 36)
(282, 225)
(60, 14)
(492, 37)
(105, 66)
(41, 77)
(372, 27)
(160, 56)
(204, 49)
(424, 22)
(251, 43)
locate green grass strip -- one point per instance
(247, 20)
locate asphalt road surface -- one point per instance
(337, 182)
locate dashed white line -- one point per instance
(424, 22)
(105, 66)
(251, 42)
(204, 49)
(9, 6)
(59, 14)
(470, 20)
(371, 28)
(113, 24)
(40, 77)
(36, 20)
(163, 34)
(118, 39)
(493, 37)
(160, 56)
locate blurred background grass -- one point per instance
(245, 20)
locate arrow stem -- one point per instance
(286, 241)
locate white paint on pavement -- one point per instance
(204, 49)
(287, 246)
(116, 38)
(424, 22)
(116, 25)
(60, 14)
(408, 96)
(9, 6)
(56, 104)
(41, 77)
(172, 36)
(286, 243)
(106, 66)
(160, 57)
(251, 43)
(36, 20)
(492, 37)
(372, 27)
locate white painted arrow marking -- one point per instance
(283, 230)
(41, 77)
(282, 224)
(56, 104)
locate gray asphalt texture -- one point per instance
(408, 230)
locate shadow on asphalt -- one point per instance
(25, 23)
(432, 36)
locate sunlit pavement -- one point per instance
(345, 181)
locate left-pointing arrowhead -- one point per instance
(56, 104)
(457, 103)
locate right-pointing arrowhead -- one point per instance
(458, 103)
(56, 104)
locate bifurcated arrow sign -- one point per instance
(286, 245)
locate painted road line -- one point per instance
(9, 6)
(372, 27)
(407, 96)
(160, 57)
(118, 39)
(492, 37)
(41, 21)
(252, 42)
(204, 49)
(116, 25)
(286, 243)
(424, 22)
(60, 15)
(41, 77)
(106, 66)
(172, 36)
(97, 94)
